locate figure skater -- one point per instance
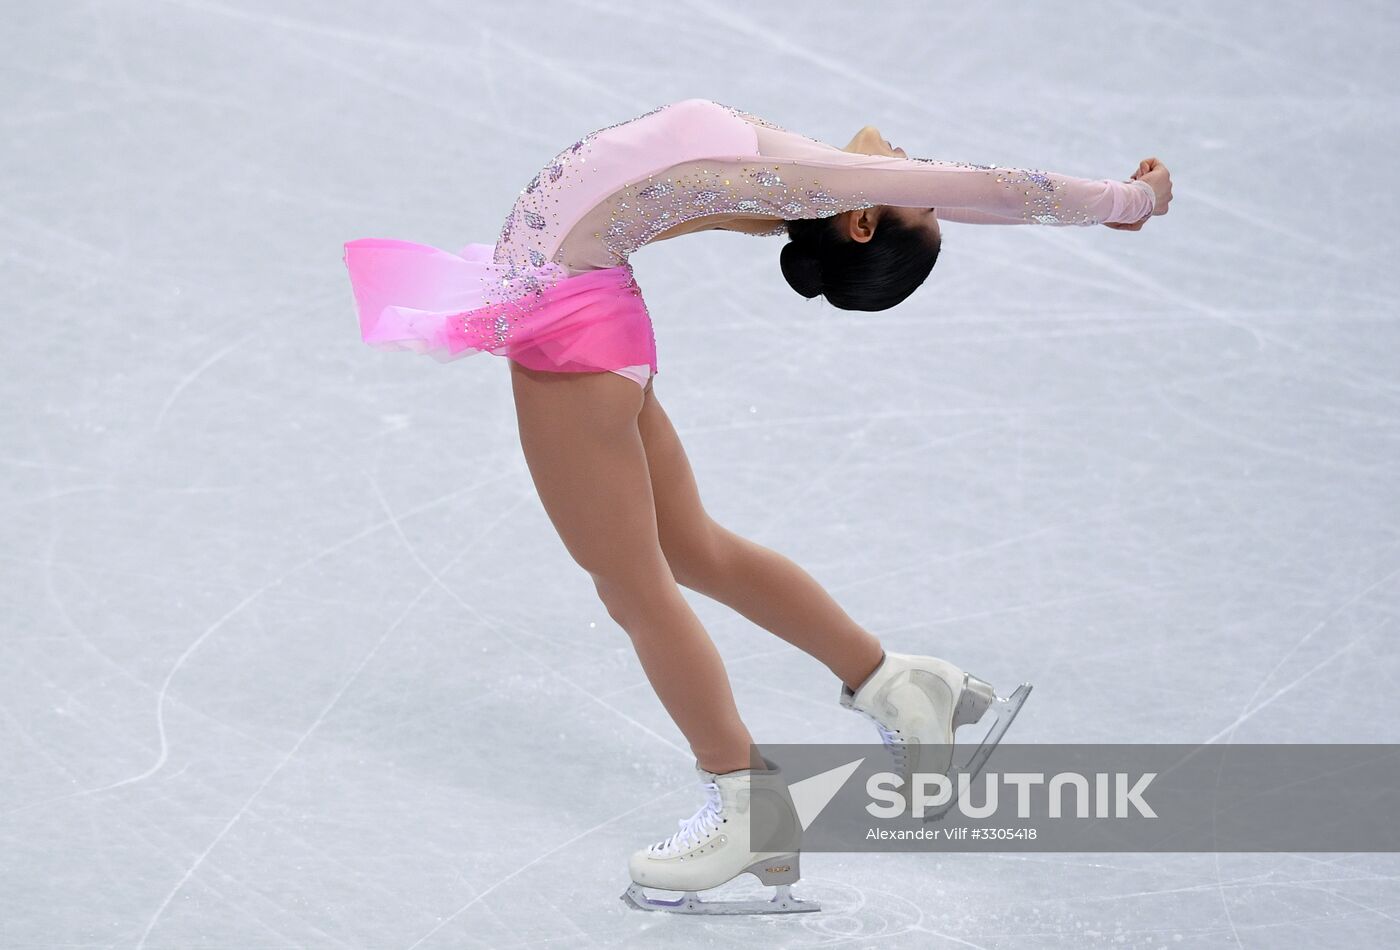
(555, 296)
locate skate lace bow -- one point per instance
(693, 829)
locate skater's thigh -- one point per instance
(585, 454)
(690, 539)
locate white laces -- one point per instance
(893, 741)
(695, 828)
(897, 745)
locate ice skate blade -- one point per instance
(689, 902)
(1005, 711)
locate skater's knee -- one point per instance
(700, 556)
(631, 597)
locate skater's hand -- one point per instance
(1155, 174)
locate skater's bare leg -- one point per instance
(759, 583)
(579, 432)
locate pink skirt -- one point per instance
(426, 300)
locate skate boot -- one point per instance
(918, 701)
(713, 847)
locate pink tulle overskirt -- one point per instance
(423, 299)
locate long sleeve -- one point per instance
(960, 191)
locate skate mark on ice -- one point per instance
(193, 374)
(1266, 448)
(291, 753)
(161, 695)
(511, 641)
(1247, 711)
(531, 863)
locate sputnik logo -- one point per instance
(811, 795)
(1112, 796)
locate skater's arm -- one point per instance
(818, 180)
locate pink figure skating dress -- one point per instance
(556, 291)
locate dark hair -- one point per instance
(855, 275)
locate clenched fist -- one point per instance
(1155, 174)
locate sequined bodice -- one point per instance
(615, 189)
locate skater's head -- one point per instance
(865, 259)
(870, 259)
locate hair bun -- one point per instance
(801, 270)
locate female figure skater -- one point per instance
(556, 297)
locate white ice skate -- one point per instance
(713, 847)
(918, 701)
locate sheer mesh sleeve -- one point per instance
(960, 191)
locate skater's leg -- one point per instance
(584, 452)
(758, 583)
(917, 701)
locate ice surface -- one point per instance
(292, 656)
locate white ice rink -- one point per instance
(270, 598)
